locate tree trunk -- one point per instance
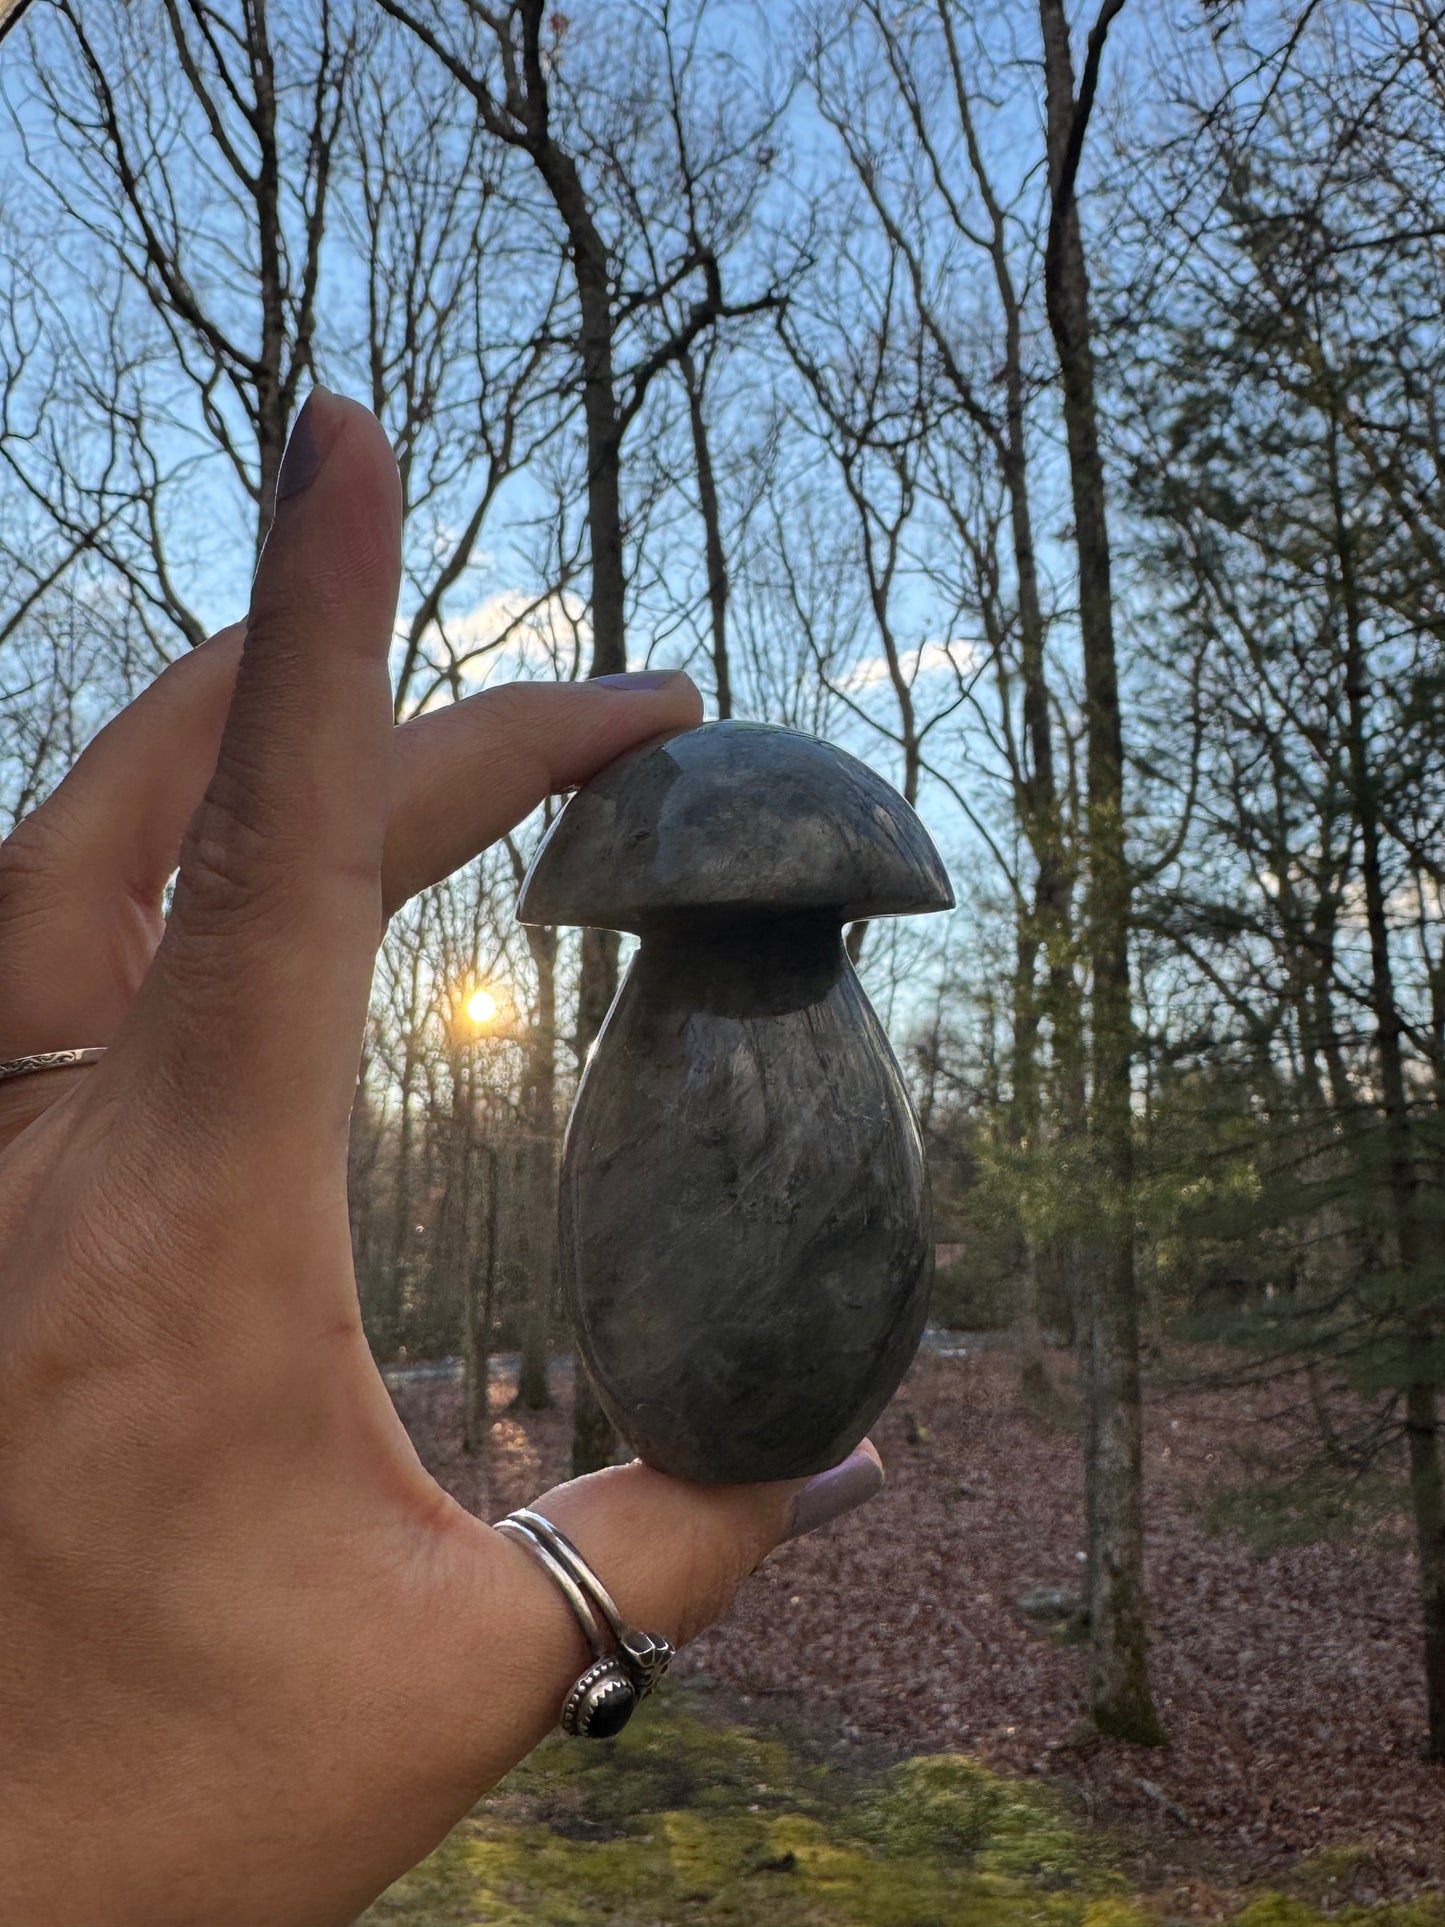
(1048, 923)
(592, 273)
(480, 1298)
(717, 568)
(272, 397)
(537, 1177)
(392, 1273)
(593, 1439)
(1035, 1386)
(534, 1392)
(453, 1235)
(1120, 1701)
(1422, 1417)
(1427, 1500)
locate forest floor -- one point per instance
(1288, 1676)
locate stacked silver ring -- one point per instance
(50, 1060)
(627, 1663)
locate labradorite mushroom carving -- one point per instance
(746, 1236)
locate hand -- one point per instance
(257, 1662)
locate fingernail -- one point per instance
(302, 459)
(639, 679)
(858, 1479)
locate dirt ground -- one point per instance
(1290, 1684)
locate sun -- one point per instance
(482, 1006)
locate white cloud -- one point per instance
(957, 656)
(510, 635)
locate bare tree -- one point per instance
(904, 97)
(250, 127)
(1119, 1697)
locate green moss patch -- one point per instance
(684, 1821)
(1283, 1910)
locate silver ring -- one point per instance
(627, 1663)
(50, 1060)
(592, 1627)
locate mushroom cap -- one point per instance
(744, 819)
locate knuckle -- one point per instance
(224, 852)
(507, 704)
(41, 867)
(29, 854)
(513, 731)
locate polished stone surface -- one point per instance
(746, 1235)
(614, 1708)
(738, 818)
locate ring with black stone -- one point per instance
(628, 1664)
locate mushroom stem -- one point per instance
(726, 967)
(746, 1248)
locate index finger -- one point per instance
(255, 1005)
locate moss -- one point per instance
(1115, 1912)
(947, 1805)
(1330, 1871)
(1272, 1909)
(441, 1892)
(670, 1760)
(1278, 1910)
(686, 1822)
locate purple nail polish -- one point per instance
(302, 459)
(638, 679)
(832, 1493)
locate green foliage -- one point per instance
(1206, 1250)
(976, 1291)
(1323, 1504)
(1013, 1202)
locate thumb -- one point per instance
(672, 1556)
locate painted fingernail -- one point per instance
(640, 679)
(302, 459)
(858, 1479)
